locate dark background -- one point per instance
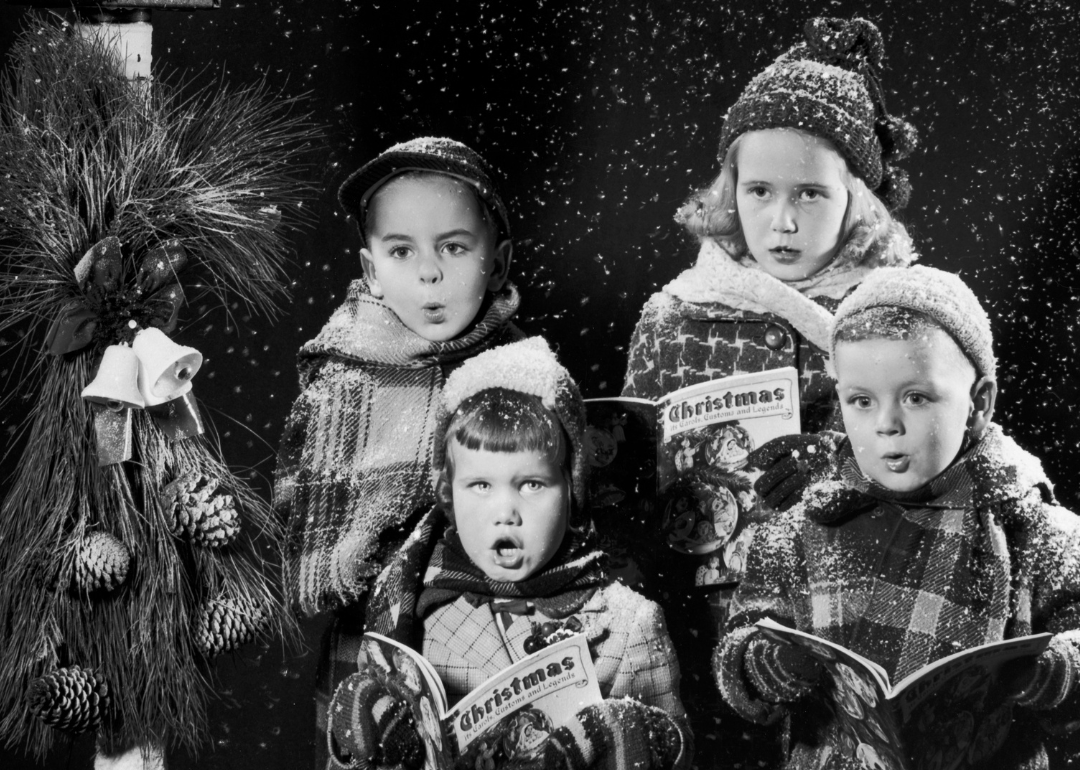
(602, 116)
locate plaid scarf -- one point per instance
(355, 459)
(941, 578)
(400, 598)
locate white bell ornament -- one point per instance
(165, 368)
(116, 384)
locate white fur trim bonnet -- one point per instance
(527, 366)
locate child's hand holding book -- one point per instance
(645, 734)
(372, 724)
(781, 672)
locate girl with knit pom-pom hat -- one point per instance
(505, 566)
(801, 212)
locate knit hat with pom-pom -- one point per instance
(528, 366)
(829, 86)
(942, 296)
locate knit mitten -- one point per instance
(1044, 682)
(781, 673)
(790, 463)
(646, 738)
(372, 726)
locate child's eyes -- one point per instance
(400, 252)
(917, 399)
(454, 249)
(757, 191)
(860, 402)
(480, 486)
(533, 485)
(810, 195)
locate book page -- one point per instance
(976, 668)
(515, 710)
(706, 433)
(407, 675)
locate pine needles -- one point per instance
(84, 155)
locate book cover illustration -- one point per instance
(945, 716)
(674, 471)
(504, 719)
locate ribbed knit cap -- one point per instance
(940, 295)
(426, 153)
(829, 86)
(527, 366)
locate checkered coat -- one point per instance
(988, 556)
(679, 343)
(467, 643)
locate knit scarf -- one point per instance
(431, 569)
(558, 590)
(720, 276)
(355, 459)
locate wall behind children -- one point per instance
(602, 116)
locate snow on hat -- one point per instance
(939, 295)
(528, 366)
(427, 153)
(828, 86)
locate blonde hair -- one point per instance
(711, 212)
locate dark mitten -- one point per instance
(781, 673)
(789, 464)
(647, 737)
(1044, 682)
(371, 725)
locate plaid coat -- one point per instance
(356, 455)
(985, 556)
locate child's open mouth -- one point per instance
(896, 462)
(434, 313)
(508, 554)
(785, 254)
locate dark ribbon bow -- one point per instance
(154, 300)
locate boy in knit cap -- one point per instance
(932, 533)
(354, 468)
(502, 568)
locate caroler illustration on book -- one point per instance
(676, 468)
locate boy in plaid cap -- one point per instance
(504, 567)
(932, 532)
(354, 469)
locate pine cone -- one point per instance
(198, 513)
(102, 562)
(223, 625)
(73, 699)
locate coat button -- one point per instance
(775, 337)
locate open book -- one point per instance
(672, 471)
(949, 714)
(505, 718)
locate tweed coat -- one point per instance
(844, 580)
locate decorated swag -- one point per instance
(982, 554)
(130, 554)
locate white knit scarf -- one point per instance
(718, 277)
